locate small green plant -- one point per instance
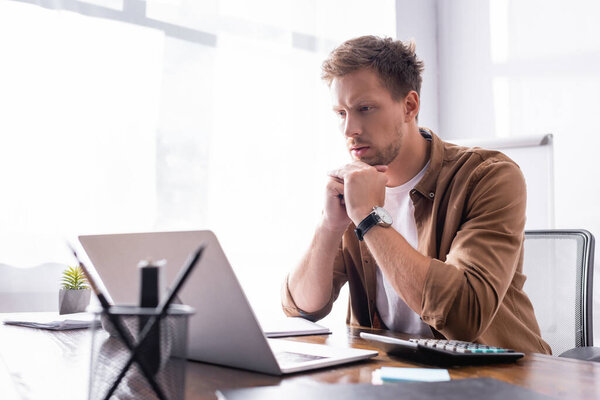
(74, 279)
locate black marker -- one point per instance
(150, 273)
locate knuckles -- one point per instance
(331, 184)
(355, 174)
(334, 186)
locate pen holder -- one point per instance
(164, 353)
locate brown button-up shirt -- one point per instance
(470, 217)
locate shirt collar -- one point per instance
(427, 184)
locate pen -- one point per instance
(180, 280)
(125, 337)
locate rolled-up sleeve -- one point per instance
(462, 293)
(339, 279)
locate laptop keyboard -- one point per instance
(287, 358)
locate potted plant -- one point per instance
(74, 295)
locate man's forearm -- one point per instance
(311, 283)
(404, 267)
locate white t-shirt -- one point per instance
(393, 311)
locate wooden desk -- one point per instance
(54, 365)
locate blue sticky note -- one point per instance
(395, 374)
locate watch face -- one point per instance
(383, 215)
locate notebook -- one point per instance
(224, 330)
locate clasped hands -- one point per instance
(362, 187)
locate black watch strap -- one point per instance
(370, 221)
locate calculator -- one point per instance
(443, 352)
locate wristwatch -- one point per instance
(379, 216)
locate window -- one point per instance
(123, 116)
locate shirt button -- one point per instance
(431, 194)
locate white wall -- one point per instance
(514, 68)
(416, 20)
(465, 88)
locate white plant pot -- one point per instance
(72, 301)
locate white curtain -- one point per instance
(124, 116)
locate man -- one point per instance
(427, 234)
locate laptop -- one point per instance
(224, 330)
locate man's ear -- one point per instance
(411, 103)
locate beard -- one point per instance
(386, 155)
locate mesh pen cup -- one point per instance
(164, 353)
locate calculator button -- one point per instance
(464, 353)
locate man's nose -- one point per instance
(352, 127)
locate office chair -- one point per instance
(559, 265)
(30, 289)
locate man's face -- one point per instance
(372, 122)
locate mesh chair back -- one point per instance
(559, 269)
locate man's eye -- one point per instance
(366, 108)
(341, 114)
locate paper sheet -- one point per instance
(398, 374)
(50, 320)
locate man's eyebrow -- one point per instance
(354, 103)
(361, 100)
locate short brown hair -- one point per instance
(394, 61)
